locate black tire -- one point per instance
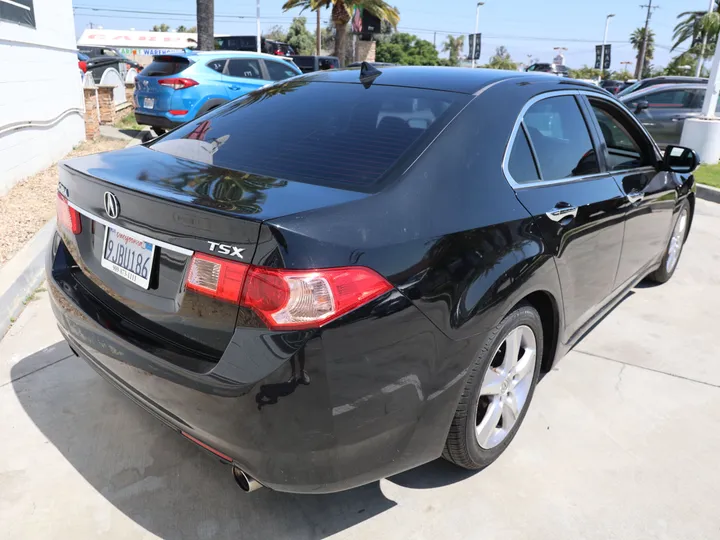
(663, 274)
(462, 446)
(159, 131)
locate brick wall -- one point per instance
(365, 51)
(107, 105)
(92, 117)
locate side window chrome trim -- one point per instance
(518, 125)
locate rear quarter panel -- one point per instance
(212, 86)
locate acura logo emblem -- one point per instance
(112, 206)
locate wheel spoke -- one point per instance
(492, 383)
(510, 411)
(512, 349)
(525, 366)
(486, 428)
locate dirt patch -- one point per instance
(31, 202)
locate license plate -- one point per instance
(128, 256)
(148, 103)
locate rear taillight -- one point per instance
(68, 217)
(178, 112)
(83, 66)
(177, 83)
(286, 299)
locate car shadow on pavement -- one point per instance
(155, 477)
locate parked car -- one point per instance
(102, 58)
(373, 64)
(308, 64)
(663, 109)
(612, 86)
(249, 44)
(315, 303)
(83, 60)
(654, 81)
(176, 88)
(555, 69)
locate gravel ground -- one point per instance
(31, 202)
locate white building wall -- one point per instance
(39, 82)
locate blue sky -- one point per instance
(525, 27)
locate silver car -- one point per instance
(663, 108)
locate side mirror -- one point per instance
(641, 106)
(680, 159)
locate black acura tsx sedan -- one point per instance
(351, 273)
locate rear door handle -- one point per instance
(561, 212)
(635, 196)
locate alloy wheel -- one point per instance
(506, 386)
(676, 241)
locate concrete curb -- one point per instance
(708, 193)
(22, 274)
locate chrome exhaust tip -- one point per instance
(246, 482)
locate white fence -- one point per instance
(113, 78)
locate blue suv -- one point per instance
(176, 88)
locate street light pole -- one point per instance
(602, 51)
(704, 42)
(257, 23)
(475, 39)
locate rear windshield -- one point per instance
(304, 62)
(345, 136)
(165, 65)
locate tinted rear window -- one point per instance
(304, 62)
(165, 65)
(344, 135)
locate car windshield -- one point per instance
(630, 89)
(346, 136)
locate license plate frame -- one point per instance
(148, 103)
(119, 269)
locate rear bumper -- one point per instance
(356, 402)
(157, 121)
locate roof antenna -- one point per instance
(368, 74)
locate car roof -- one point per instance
(449, 79)
(683, 78)
(661, 87)
(222, 54)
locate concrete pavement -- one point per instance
(621, 441)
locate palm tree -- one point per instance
(341, 14)
(636, 40)
(693, 24)
(454, 45)
(206, 25)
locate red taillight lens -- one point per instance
(286, 299)
(306, 299)
(83, 66)
(177, 83)
(68, 217)
(177, 112)
(216, 277)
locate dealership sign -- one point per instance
(137, 40)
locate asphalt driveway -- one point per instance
(622, 441)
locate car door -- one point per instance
(553, 166)
(243, 75)
(666, 113)
(650, 192)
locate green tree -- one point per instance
(407, 50)
(695, 24)
(205, 25)
(299, 38)
(502, 60)
(342, 12)
(160, 28)
(636, 40)
(585, 72)
(277, 33)
(453, 46)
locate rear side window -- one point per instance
(522, 165)
(279, 71)
(246, 68)
(340, 135)
(217, 65)
(165, 65)
(560, 138)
